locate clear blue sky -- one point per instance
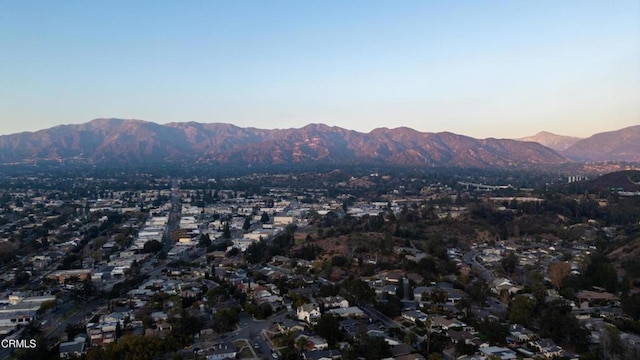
(479, 68)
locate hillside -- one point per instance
(619, 145)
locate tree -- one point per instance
(73, 330)
(602, 273)
(264, 218)
(88, 289)
(538, 288)
(328, 326)
(152, 246)
(226, 232)
(493, 330)
(185, 327)
(358, 291)
(479, 291)
(463, 348)
(40, 352)
(558, 272)
(247, 224)
(410, 338)
(631, 306)
(438, 296)
(133, 347)
(464, 305)
(369, 348)
(611, 345)
(45, 306)
(302, 343)
(558, 323)
(22, 276)
(255, 252)
(435, 343)
(521, 310)
(510, 262)
(225, 319)
(204, 241)
(7, 253)
(392, 307)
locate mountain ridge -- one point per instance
(551, 140)
(114, 140)
(621, 145)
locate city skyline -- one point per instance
(491, 69)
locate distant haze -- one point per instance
(504, 69)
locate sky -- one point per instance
(504, 69)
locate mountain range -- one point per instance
(135, 141)
(556, 142)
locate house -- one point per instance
(317, 343)
(439, 323)
(308, 312)
(283, 220)
(382, 334)
(160, 329)
(401, 350)
(421, 293)
(443, 291)
(158, 316)
(114, 317)
(499, 352)
(415, 278)
(334, 302)
(321, 355)
(593, 298)
(394, 277)
(102, 333)
(414, 315)
(75, 348)
(547, 348)
(221, 351)
(410, 254)
(519, 334)
(409, 357)
(354, 327)
(349, 312)
(389, 290)
(314, 343)
(287, 325)
(461, 336)
(502, 284)
(63, 275)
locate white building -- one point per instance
(308, 312)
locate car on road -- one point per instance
(256, 346)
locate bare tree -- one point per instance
(558, 271)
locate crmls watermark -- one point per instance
(18, 344)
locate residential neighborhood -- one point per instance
(294, 273)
